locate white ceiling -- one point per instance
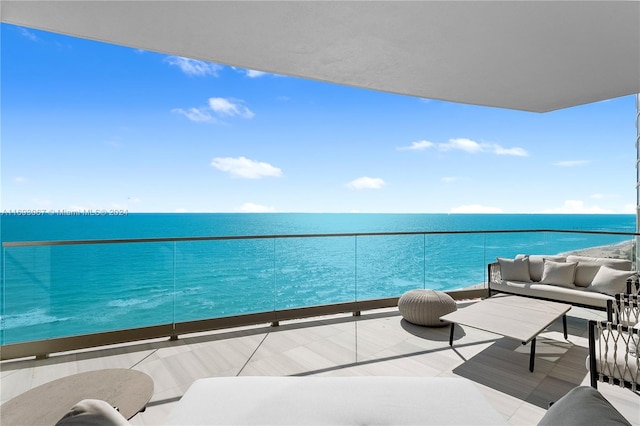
(527, 55)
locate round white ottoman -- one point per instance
(425, 307)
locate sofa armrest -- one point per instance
(494, 273)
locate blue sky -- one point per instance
(88, 125)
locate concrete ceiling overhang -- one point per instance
(525, 55)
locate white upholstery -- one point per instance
(577, 295)
(536, 263)
(610, 281)
(558, 273)
(595, 280)
(334, 401)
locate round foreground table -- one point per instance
(129, 390)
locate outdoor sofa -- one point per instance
(348, 401)
(590, 282)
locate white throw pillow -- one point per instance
(536, 263)
(514, 269)
(610, 281)
(619, 264)
(585, 272)
(559, 273)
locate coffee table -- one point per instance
(129, 390)
(516, 317)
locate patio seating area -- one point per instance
(377, 343)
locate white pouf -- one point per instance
(425, 307)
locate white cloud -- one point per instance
(229, 108)
(20, 179)
(518, 152)
(461, 144)
(42, 203)
(475, 208)
(366, 183)
(571, 163)
(600, 196)
(194, 67)
(199, 115)
(629, 209)
(466, 145)
(255, 74)
(249, 72)
(256, 208)
(450, 179)
(222, 107)
(28, 34)
(417, 146)
(245, 168)
(577, 207)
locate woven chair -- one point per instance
(625, 310)
(614, 354)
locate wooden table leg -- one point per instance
(564, 326)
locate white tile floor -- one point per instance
(376, 343)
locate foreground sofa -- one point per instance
(590, 282)
(348, 401)
(334, 401)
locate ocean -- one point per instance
(63, 290)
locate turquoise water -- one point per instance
(55, 291)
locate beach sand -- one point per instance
(623, 250)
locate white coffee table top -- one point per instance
(516, 317)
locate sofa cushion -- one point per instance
(536, 263)
(581, 406)
(558, 273)
(619, 264)
(576, 295)
(585, 271)
(610, 281)
(514, 269)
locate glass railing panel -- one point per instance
(389, 265)
(26, 295)
(223, 278)
(538, 243)
(509, 245)
(67, 290)
(314, 271)
(593, 245)
(451, 266)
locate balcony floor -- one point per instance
(377, 343)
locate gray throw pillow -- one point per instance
(558, 273)
(582, 406)
(514, 269)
